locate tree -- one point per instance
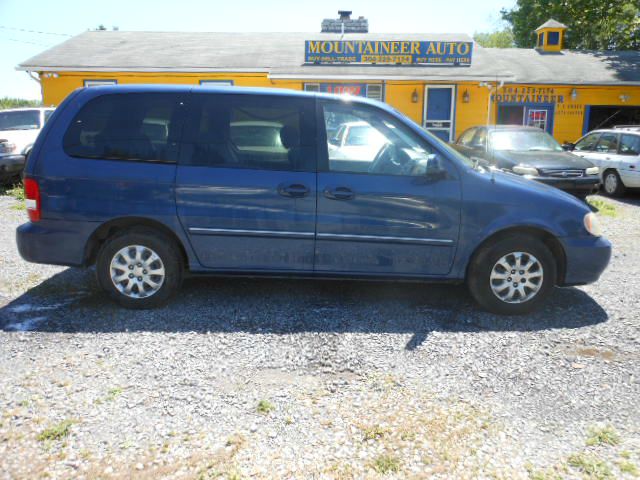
(593, 24)
(497, 39)
(8, 102)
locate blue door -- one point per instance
(378, 211)
(438, 116)
(246, 182)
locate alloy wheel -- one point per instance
(516, 277)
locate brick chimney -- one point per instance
(351, 25)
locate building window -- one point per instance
(553, 38)
(99, 83)
(374, 91)
(311, 87)
(217, 83)
(541, 39)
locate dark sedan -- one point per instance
(530, 152)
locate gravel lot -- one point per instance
(242, 378)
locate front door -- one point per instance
(438, 111)
(246, 182)
(378, 211)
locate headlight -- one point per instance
(524, 170)
(592, 224)
(592, 171)
(6, 147)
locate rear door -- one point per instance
(382, 215)
(246, 181)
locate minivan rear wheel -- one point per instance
(513, 276)
(139, 268)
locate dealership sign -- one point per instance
(387, 52)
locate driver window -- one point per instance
(371, 142)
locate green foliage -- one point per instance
(593, 24)
(603, 436)
(386, 464)
(603, 207)
(56, 432)
(8, 102)
(591, 467)
(265, 406)
(497, 39)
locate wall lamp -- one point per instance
(466, 97)
(414, 96)
(574, 94)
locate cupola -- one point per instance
(550, 35)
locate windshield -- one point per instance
(523, 141)
(20, 120)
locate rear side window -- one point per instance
(608, 143)
(20, 120)
(630, 144)
(130, 126)
(250, 131)
(465, 138)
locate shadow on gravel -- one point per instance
(71, 302)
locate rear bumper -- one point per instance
(11, 165)
(54, 242)
(587, 258)
(583, 185)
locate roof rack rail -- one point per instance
(630, 127)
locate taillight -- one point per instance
(32, 199)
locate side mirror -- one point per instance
(435, 169)
(568, 146)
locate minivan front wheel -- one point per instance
(512, 276)
(139, 268)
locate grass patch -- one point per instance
(386, 464)
(113, 394)
(604, 208)
(56, 432)
(374, 433)
(626, 466)
(591, 466)
(265, 406)
(16, 191)
(603, 436)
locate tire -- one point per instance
(612, 184)
(151, 282)
(536, 287)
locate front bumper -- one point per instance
(584, 185)
(11, 165)
(587, 258)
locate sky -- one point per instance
(29, 27)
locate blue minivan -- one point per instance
(150, 183)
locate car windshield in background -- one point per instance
(523, 141)
(364, 135)
(21, 120)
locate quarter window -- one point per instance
(143, 127)
(630, 144)
(250, 131)
(374, 143)
(588, 143)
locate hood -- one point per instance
(540, 159)
(21, 138)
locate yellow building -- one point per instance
(444, 82)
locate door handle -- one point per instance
(295, 190)
(339, 193)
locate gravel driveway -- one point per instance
(242, 378)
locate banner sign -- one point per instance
(387, 52)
